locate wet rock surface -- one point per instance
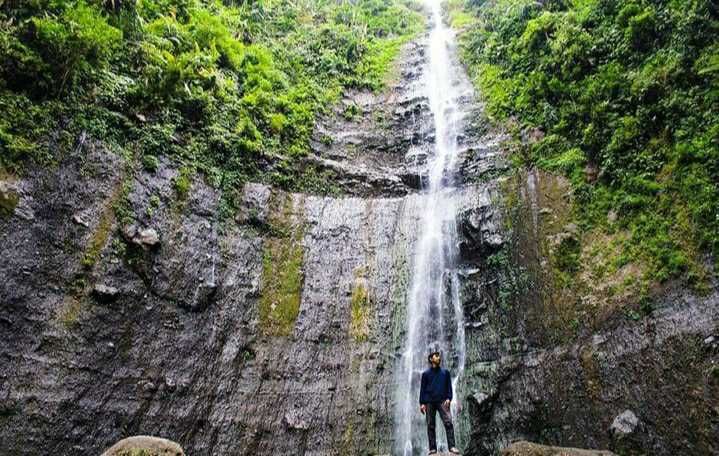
(378, 144)
(635, 385)
(576, 395)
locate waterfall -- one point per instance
(434, 313)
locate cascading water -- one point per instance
(434, 314)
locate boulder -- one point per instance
(147, 238)
(626, 433)
(78, 219)
(533, 449)
(146, 446)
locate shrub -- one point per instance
(74, 45)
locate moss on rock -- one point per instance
(182, 183)
(360, 307)
(282, 273)
(8, 201)
(574, 279)
(68, 315)
(99, 237)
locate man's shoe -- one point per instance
(454, 450)
(432, 451)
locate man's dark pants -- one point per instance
(446, 417)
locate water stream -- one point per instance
(434, 314)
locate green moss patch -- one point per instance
(8, 202)
(116, 208)
(99, 237)
(569, 278)
(68, 315)
(182, 183)
(360, 307)
(282, 273)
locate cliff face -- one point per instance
(641, 382)
(131, 303)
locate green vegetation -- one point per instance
(352, 111)
(150, 163)
(8, 202)
(99, 238)
(182, 183)
(68, 314)
(220, 87)
(360, 308)
(625, 96)
(120, 202)
(282, 274)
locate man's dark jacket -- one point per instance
(436, 386)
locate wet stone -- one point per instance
(147, 238)
(624, 424)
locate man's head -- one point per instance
(434, 358)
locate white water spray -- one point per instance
(434, 313)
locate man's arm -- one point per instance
(423, 393)
(423, 389)
(449, 386)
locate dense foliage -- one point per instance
(626, 94)
(218, 85)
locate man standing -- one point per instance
(435, 395)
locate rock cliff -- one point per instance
(130, 307)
